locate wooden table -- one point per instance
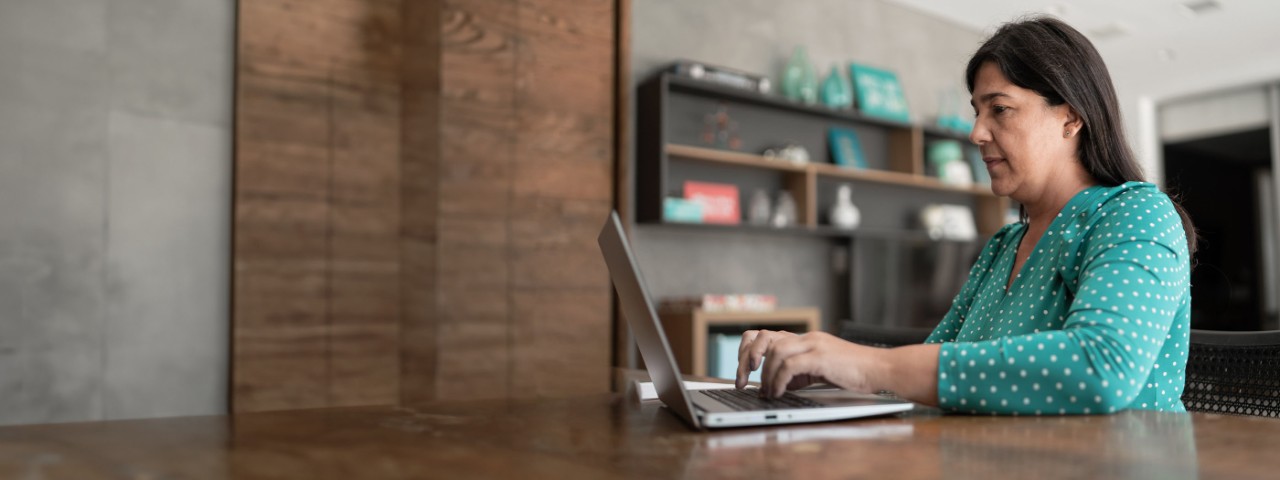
(616, 436)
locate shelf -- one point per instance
(896, 178)
(818, 231)
(685, 84)
(732, 158)
(748, 228)
(823, 169)
(935, 131)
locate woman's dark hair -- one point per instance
(1047, 56)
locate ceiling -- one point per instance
(1154, 48)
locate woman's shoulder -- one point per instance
(1134, 211)
(1134, 198)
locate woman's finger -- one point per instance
(777, 354)
(787, 369)
(749, 338)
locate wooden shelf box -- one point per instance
(687, 330)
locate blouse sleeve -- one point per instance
(949, 327)
(1133, 277)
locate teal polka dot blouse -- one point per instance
(1097, 320)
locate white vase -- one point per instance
(844, 214)
(784, 211)
(760, 208)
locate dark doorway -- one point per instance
(1218, 181)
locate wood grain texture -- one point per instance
(419, 195)
(906, 151)
(615, 436)
(477, 117)
(561, 194)
(419, 185)
(316, 310)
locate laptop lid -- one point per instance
(643, 320)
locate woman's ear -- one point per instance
(1072, 123)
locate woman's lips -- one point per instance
(991, 160)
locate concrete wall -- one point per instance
(928, 54)
(115, 163)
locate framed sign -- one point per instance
(879, 93)
(719, 201)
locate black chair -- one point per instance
(878, 336)
(1236, 373)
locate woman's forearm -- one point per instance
(910, 372)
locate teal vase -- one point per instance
(809, 84)
(836, 92)
(799, 82)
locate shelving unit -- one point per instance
(687, 331)
(675, 115)
(667, 146)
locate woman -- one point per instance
(1083, 306)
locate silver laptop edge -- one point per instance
(638, 310)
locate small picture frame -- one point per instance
(879, 93)
(846, 150)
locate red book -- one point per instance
(719, 201)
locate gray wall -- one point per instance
(1216, 113)
(115, 180)
(928, 54)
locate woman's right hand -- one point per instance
(751, 355)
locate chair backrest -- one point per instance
(878, 336)
(1234, 373)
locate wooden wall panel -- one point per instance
(316, 275)
(420, 155)
(563, 192)
(419, 185)
(280, 338)
(364, 251)
(477, 108)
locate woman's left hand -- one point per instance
(794, 361)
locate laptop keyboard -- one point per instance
(744, 400)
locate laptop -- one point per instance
(716, 408)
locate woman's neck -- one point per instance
(1043, 208)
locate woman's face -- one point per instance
(1025, 143)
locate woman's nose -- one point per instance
(980, 133)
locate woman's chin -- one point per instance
(1001, 188)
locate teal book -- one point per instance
(846, 150)
(680, 210)
(722, 357)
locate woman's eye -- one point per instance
(998, 109)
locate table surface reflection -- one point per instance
(616, 436)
